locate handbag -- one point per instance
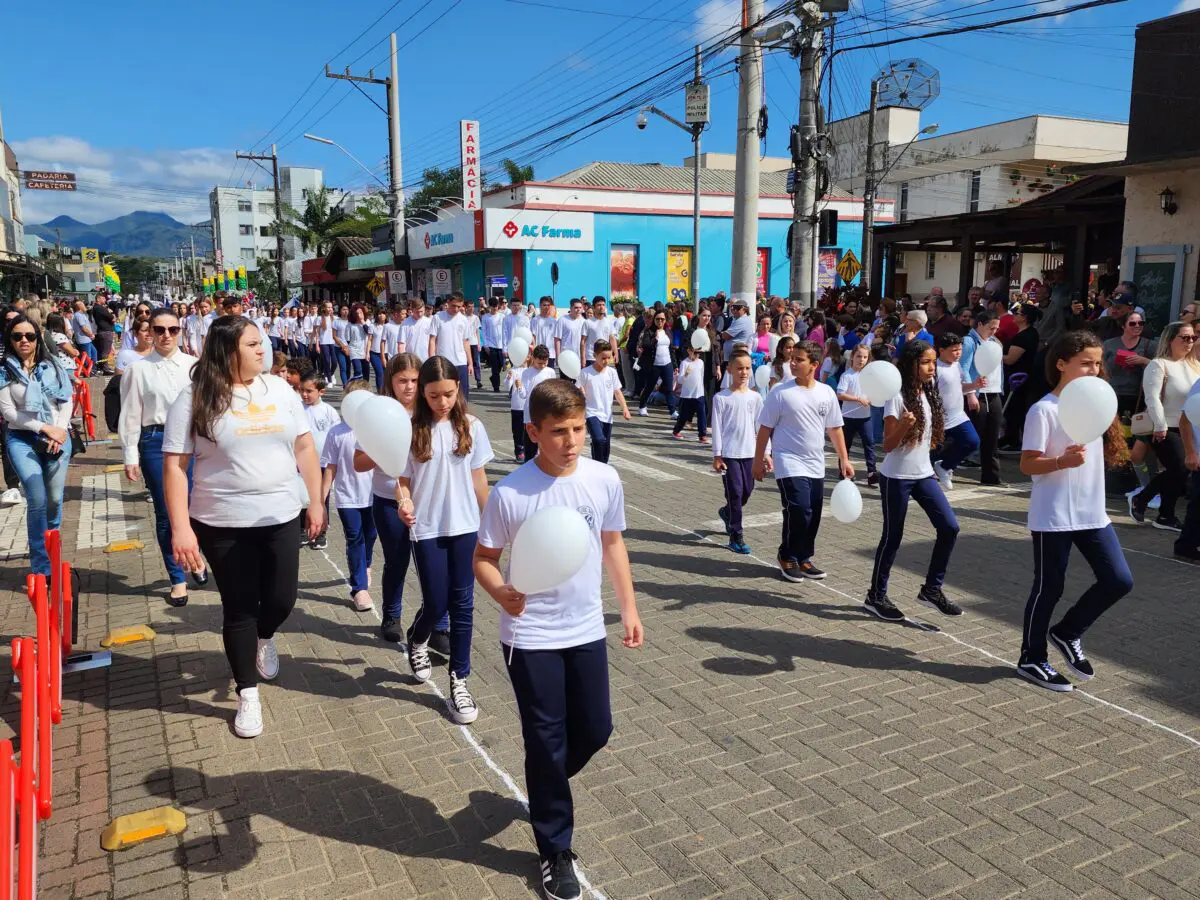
(1141, 425)
(78, 444)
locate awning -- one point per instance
(377, 260)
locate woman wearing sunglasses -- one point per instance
(35, 402)
(143, 346)
(148, 389)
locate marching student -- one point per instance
(440, 494)
(913, 422)
(1066, 509)
(545, 328)
(522, 383)
(689, 384)
(555, 640)
(796, 417)
(351, 492)
(856, 409)
(569, 333)
(601, 385)
(515, 319)
(961, 439)
(321, 419)
(491, 330)
(736, 411)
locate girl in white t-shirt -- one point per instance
(1066, 509)
(913, 422)
(856, 409)
(689, 384)
(351, 494)
(440, 495)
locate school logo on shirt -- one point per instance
(257, 419)
(589, 515)
(823, 409)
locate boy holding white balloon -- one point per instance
(554, 635)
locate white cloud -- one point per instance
(59, 152)
(1186, 6)
(715, 18)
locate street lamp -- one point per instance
(694, 131)
(321, 140)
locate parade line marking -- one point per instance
(1121, 709)
(508, 780)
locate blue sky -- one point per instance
(152, 122)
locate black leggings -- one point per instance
(1171, 480)
(257, 570)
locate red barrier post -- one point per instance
(68, 603)
(24, 663)
(8, 818)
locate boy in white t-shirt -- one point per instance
(540, 369)
(796, 417)
(962, 439)
(735, 423)
(555, 640)
(689, 385)
(601, 385)
(321, 418)
(351, 493)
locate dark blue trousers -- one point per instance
(864, 431)
(517, 420)
(358, 525)
(1189, 538)
(444, 567)
(495, 357)
(895, 493)
(464, 381)
(600, 434)
(1051, 552)
(343, 364)
(397, 551)
(689, 407)
(329, 361)
(802, 501)
(377, 368)
(739, 485)
(563, 699)
(961, 441)
(150, 457)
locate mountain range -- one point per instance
(136, 234)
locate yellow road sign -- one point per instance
(849, 267)
(376, 285)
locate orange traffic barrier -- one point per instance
(45, 649)
(24, 663)
(8, 805)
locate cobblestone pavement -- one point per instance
(771, 740)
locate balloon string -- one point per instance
(512, 643)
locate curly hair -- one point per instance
(911, 387)
(438, 368)
(1066, 346)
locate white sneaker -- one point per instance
(945, 478)
(674, 414)
(248, 722)
(267, 659)
(643, 411)
(363, 602)
(461, 704)
(419, 662)
(11, 497)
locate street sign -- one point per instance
(49, 181)
(849, 267)
(397, 282)
(440, 279)
(791, 181)
(89, 255)
(377, 284)
(695, 104)
(220, 259)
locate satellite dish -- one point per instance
(909, 83)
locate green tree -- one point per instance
(436, 183)
(318, 225)
(370, 212)
(137, 272)
(517, 174)
(264, 282)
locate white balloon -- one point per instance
(880, 381)
(549, 549)
(987, 357)
(701, 340)
(846, 502)
(568, 363)
(1086, 408)
(762, 377)
(774, 343)
(523, 333)
(518, 349)
(351, 405)
(1192, 410)
(384, 431)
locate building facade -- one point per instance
(12, 228)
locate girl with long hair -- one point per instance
(323, 335)
(913, 423)
(856, 409)
(341, 348)
(1066, 509)
(439, 495)
(781, 366)
(378, 331)
(247, 433)
(357, 342)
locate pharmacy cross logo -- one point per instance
(427, 241)
(510, 230)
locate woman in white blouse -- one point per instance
(248, 434)
(1166, 383)
(147, 391)
(35, 401)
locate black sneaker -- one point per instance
(389, 630)
(880, 606)
(1162, 523)
(935, 598)
(723, 514)
(1041, 673)
(1137, 511)
(1072, 651)
(439, 643)
(559, 881)
(1188, 554)
(321, 543)
(873, 479)
(808, 570)
(789, 569)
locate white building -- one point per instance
(243, 220)
(12, 228)
(986, 168)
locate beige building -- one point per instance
(12, 228)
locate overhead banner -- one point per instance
(679, 273)
(472, 182)
(49, 181)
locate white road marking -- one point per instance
(625, 465)
(758, 520)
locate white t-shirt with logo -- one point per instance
(950, 386)
(910, 463)
(321, 419)
(573, 613)
(350, 489)
(544, 329)
(531, 379)
(247, 476)
(391, 338)
(601, 329)
(1069, 499)
(414, 335)
(849, 384)
(799, 418)
(442, 488)
(735, 423)
(599, 390)
(450, 332)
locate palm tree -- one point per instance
(318, 225)
(517, 174)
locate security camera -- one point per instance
(641, 121)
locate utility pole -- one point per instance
(743, 283)
(804, 212)
(395, 157)
(195, 273)
(279, 260)
(697, 128)
(869, 188)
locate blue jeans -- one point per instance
(961, 441)
(151, 457)
(328, 361)
(1051, 552)
(343, 363)
(864, 430)
(90, 349)
(358, 525)
(664, 375)
(444, 567)
(896, 492)
(475, 362)
(377, 367)
(876, 424)
(464, 381)
(397, 551)
(601, 437)
(44, 480)
(802, 501)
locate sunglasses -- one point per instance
(1136, 324)
(172, 330)
(1188, 338)
(24, 336)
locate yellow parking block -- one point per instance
(130, 634)
(125, 831)
(122, 546)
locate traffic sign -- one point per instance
(849, 267)
(397, 282)
(695, 104)
(376, 285)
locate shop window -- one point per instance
(931, 265)
(623, 272)
(976, 180)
